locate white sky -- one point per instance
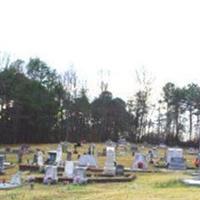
(118, 36)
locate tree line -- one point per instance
(38, 105)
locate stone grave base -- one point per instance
(94, 178)
(192, 182)
(35, 168)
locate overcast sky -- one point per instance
(119, 36)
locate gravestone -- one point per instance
(80, 175)
(2, 158)
(134, 149)
(19, 156)
(51, 158)
(192, 151)
(50, 174)
(139, 162)
(122, 141)
(162, 146)
(69, 156)
(40, 161)
(16, 179)
(24, 148)
(110, 167)
(197, 161)
(87, 161)
(155, 153)
(69, 169)
(91, 149)
(35, 158)
(152, 155)
(174, 159)
(119, 170)
(177, 163)
(110, 143)
(59, 155)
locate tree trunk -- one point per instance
(190, 121)
(177, 123)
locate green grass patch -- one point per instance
(169, 184)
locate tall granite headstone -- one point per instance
(110, 163)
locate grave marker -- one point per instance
(87, 160)
(80, 175)
(69, 169)
(59, 155)
(50, 174)
(139, 162)
(40, 161)
(2, 158)
(110, 167)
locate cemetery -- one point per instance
(50, 166)
(99, 100)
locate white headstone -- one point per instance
(177, 163)
(80, 175)
(175, 159)
(92, 149)
(173, 153)
(16, 179)
(110, 143)
(110, 167)
(59, 155)
(40, 160)
(50, 174)
(69, 169)
(88, 160)
(139, 162)
(155, 153)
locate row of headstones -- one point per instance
(174, 157)
(140, 160)
(77, 170)
(78, 173)
(72, 170)
(55, 157)
(111, 166)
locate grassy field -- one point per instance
(147, 186)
